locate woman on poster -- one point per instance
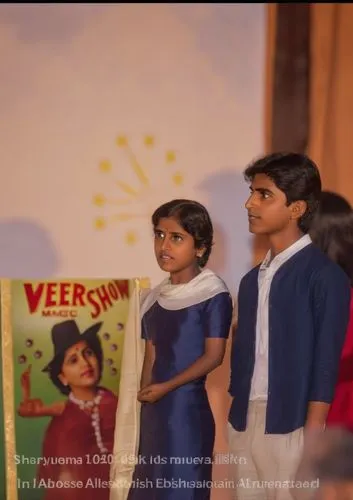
(78, 443)
(186, 321)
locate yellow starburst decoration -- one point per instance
(121, 141)
(100, 223)
(105, 166)
(149, 140)
(178, 179)
(130, 238)
(126, 188)
(133, 194)
(170, 156)
(99, 200)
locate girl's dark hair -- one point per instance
(332, 230)
(56, 366)
(194, 219)
(296, 176)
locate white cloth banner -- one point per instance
(127, 426)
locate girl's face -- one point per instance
(80, 367)
(175, 250)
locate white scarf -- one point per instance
(204, 286)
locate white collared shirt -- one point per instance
(259, 385)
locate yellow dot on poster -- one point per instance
(100, 223)
(99, 200)
(149, 141)
(105, 166)
(130, 238)
(178, 179)
(170, 157)
(121, 141)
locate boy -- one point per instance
(293, 312)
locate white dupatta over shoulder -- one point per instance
(204, 286)
(173, 297)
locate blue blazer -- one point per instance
(308, 316)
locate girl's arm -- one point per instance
(211, 359)
(148, 361)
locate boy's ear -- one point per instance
(298, 209)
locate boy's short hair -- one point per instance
(296, 175)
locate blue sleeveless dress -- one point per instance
(177, 432)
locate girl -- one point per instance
(185, 322)
(332, 231)
(79, 440)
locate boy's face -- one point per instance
(267, 207)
